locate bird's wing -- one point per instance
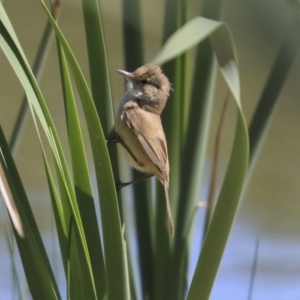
(148, 129)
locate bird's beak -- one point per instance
(127, 75)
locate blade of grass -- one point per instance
(81, 286)
(190, 34)
(99, 76)
(15, 55)
(36, 265)
(171, 118)
(83, 268)
(230, 194)
(75, 284)
(253, 271)
(58, 215)
(133, 35)
(133, 39)
(214, 168)
(82, 182)
(192, 161)
(222, 219)
(192, 157)
(115, 260)
(100, 83)
(172, 112)
(204, 81)
(38, 66)
(182, 89)
(13, 51)
(52, 136)
(186, 37)
(185, 12)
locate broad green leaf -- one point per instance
(37, 69)
(36, 265)
(115, 261)
(100, 83)
(133, 34)
(222, 219)
(193, 162)
(83, 262)
(82, 182)
(58, 215)
(99, 76)
(193, 153)
(177, 124)
(174, 120)
(172, 127)
(185, 73)
(103, 107)
(81, 286)
(189, 35)
(142, 192)
(14, 54)
(18, 61)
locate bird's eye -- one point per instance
(144, 81)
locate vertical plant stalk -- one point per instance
(222, 219)
(100, 82)
(97, 58)
(115, 259)
(101, 92)
(171, 119)
(214, 173)
(193, 154)
(37, 268)
(253, 271)
(185, 74)
(38, 66)
(171, 116)
(133, 39)
(82, 182)
(133, 35)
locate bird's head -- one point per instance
(149, 86)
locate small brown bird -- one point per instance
(138, 124)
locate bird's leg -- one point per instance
(123, 184)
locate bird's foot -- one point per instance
(120, 184)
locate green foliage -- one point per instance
(100, 268)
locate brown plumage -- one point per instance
(139, 125)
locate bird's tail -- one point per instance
(169, 209)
